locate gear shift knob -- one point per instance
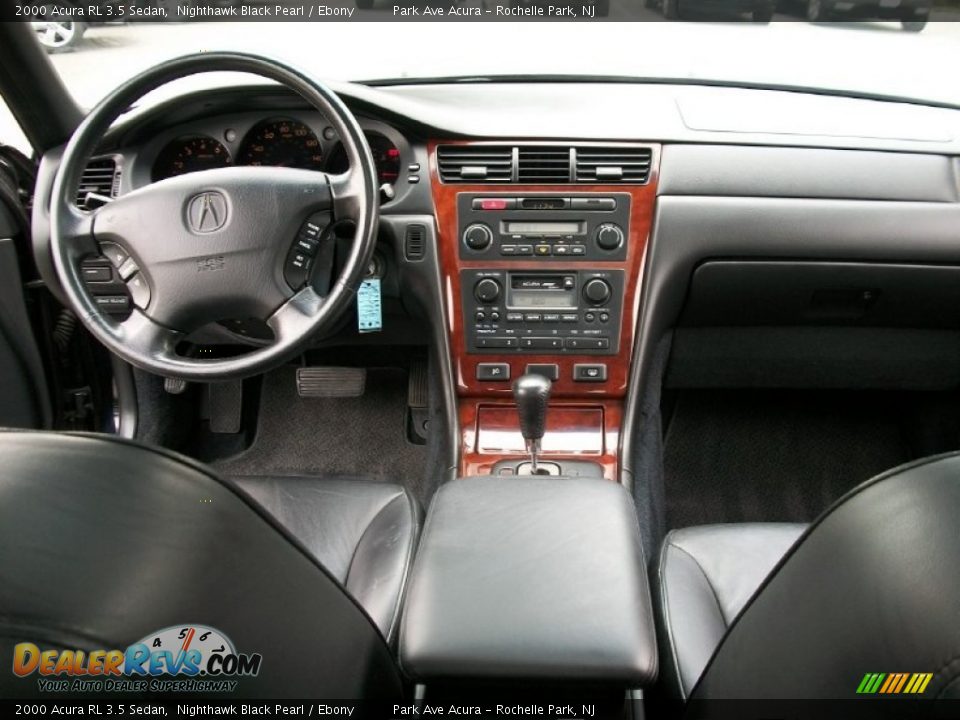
(532, 393)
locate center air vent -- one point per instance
(99, 179)
(475, 163)
(543, 165)
(613, 164)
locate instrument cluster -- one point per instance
(272, 142)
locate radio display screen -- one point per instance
(542, 291)
(513, 227)
(530, 299)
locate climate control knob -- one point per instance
(486, 291)
(609, 236)
(477, 236)
(596, 291)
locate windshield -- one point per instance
(884, 47)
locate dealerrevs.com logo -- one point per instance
(182, 658)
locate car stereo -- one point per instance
(571, 311)
(586, 226)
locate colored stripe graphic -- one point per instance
(894, 683)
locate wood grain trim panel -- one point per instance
(641, 219)
(567, 395)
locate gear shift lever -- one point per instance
(532, 392)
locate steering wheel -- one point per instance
(215, 244)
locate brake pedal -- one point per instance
(331, 382)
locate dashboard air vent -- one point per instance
(613, 164)
(543, 165)
(414, 244)
(99, 178)
(475, 163)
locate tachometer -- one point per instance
(190, 154)
(281, 143)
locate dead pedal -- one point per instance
(331, 382)
(418, 394)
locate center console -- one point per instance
(542, 278)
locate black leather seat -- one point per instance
(363, 532)
(770, 611)
(705, 577)
(106, 541)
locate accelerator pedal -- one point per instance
(331, 382)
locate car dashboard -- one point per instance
(572, 229)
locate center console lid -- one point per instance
(534, 577)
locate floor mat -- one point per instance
(334, 436)
(741, 456)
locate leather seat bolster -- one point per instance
(706, 576)
(382, 560)
(363, 532)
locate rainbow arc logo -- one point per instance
(894, 683)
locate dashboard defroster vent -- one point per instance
(100, 178)
(612, 165)
(475, 163)
(543, 165)
(414, 244)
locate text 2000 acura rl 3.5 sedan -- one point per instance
(578, 392)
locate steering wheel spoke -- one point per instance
(141, 335)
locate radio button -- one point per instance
(578, 249)
(486, 290)
(494, 203)
(561, 249)
(480, 317)
(496, 342)
(551, 317)
(508, 249)
(583, 343)
(589, 317)
(596, 291)
(532, 317)
(541, 249)
(477, 236)
(604, 317)
(609, 236)
(494, 316)
(524, 249)
(593, 204)
(514, 317)
(569, 317)
(541, 343)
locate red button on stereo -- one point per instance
(493, 204)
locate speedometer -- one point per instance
(190, 154)
(386, 157)
(281, 143)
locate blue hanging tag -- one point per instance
(369, 311)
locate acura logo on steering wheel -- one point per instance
(207, 212)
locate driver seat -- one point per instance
(107, 541)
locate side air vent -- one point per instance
(100, 178)
(475, 163)
(613, 165)
(543, 165)
(414, 244)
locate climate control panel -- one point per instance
(545, 312)
(575, 226)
